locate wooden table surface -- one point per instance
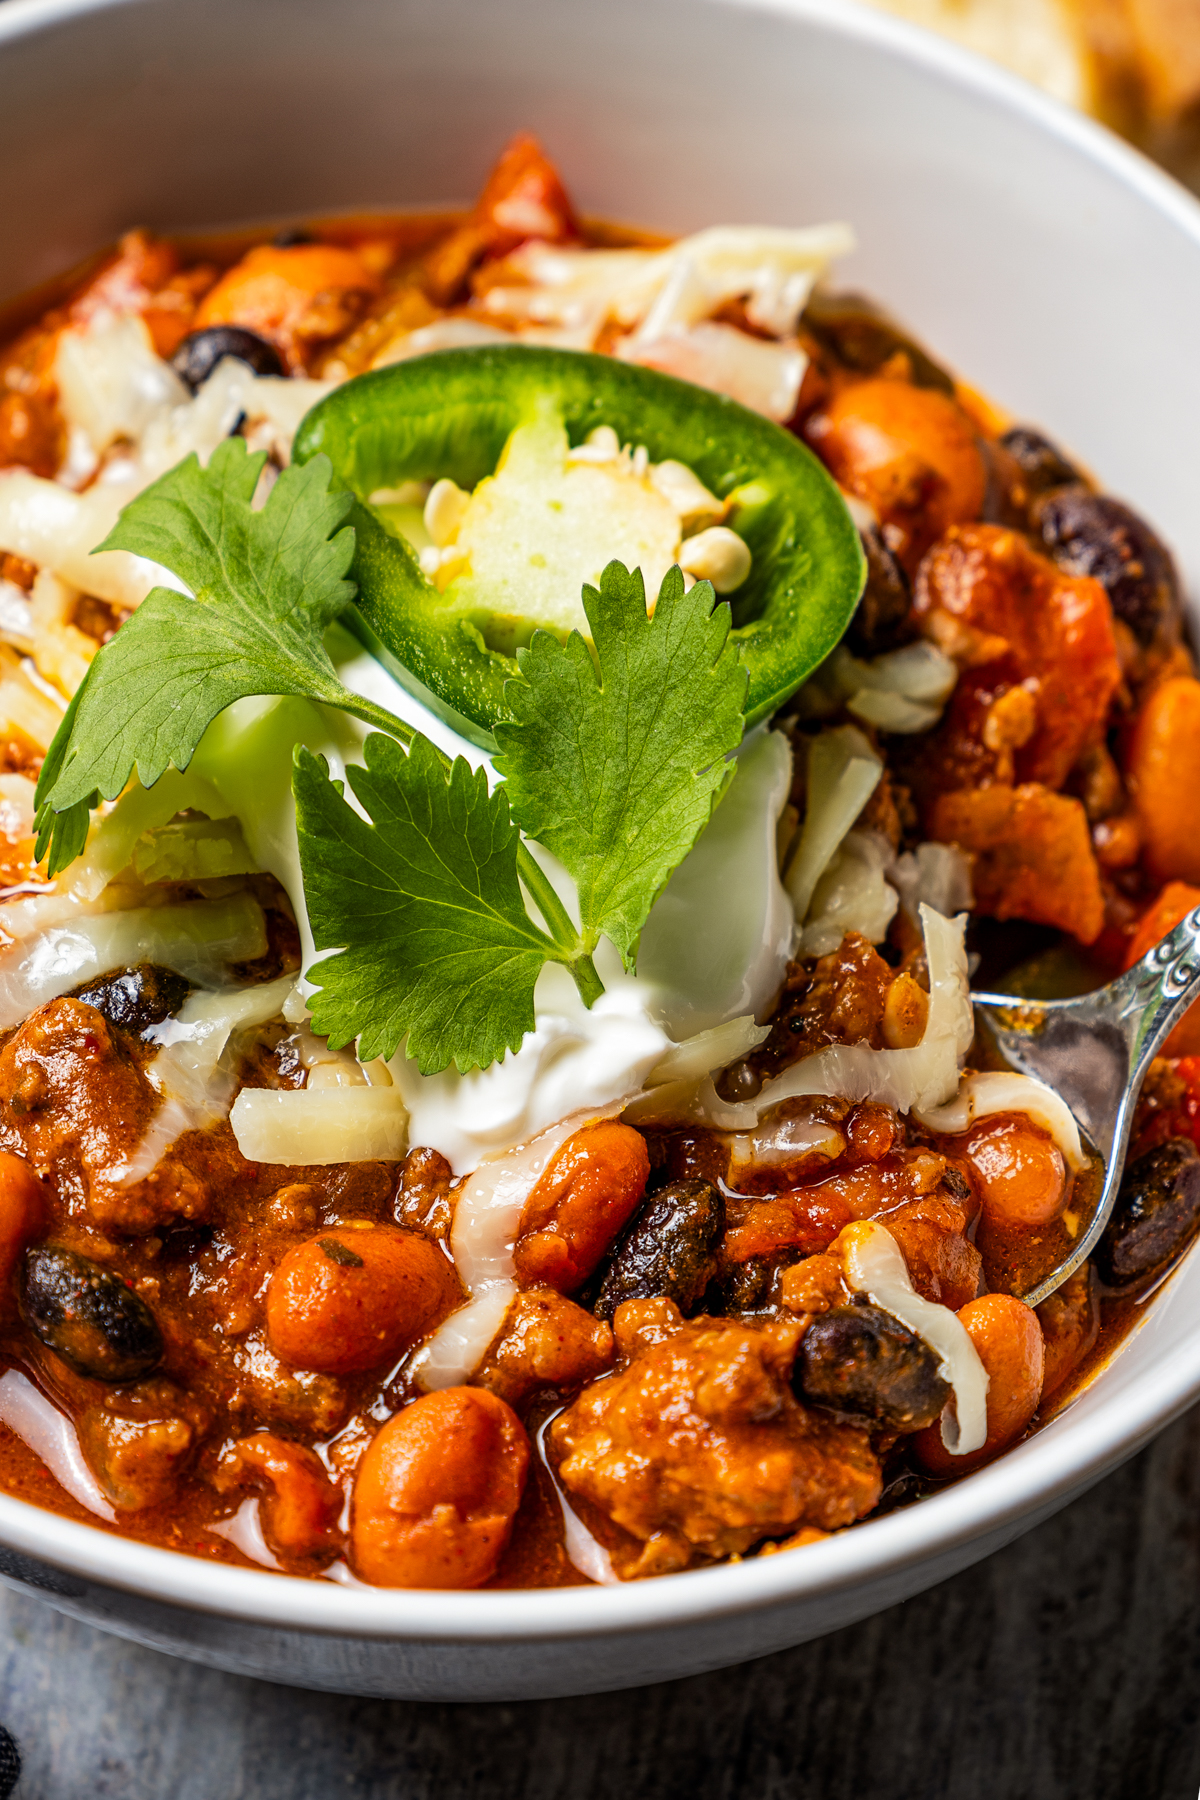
(1067, 1667)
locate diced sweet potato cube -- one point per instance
(1033, 855)
(990, 599)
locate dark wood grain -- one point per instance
(1065, 1668)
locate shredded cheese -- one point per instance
(1004, 1091)
(874, 1266)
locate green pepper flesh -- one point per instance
(451, 413)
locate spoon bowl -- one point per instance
(1094, 1051)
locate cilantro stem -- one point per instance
(560, 926)
(583, 973)
(370, 714)
(559, 922)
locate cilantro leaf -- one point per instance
(266, 585)
(617, 772)
(422, 905)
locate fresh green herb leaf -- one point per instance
(266, 586)
(422, 905)
(617, 771)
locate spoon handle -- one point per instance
(1154, 995)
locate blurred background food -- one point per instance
(1135, 64)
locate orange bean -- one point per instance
(1008, 1338)
(352, 1299)
(24, 1206)
(910, 453)
(302, 1505)
(437, 1492)
(1164, 775)
(579, 1205)
(1021, 1171)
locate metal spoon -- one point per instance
(1095, 1051)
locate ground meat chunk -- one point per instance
(74, 1102)
(138, 1446)
(699, 1441)
(838, 1000)
(423, 1199)
(545, 1341)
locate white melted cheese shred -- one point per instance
(320, 1125)
(197, 938)
(113, 386)
(51, 1436)
(189, 1070)
(1004, 1091)
(487, 1215)
(921, 1078)
(874, 1266)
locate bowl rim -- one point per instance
(980, 1513)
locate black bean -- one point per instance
(134, 999)
(1157, 1213)
(751, 1286)
(667, 1249)
(1093, 534)
(199, 353)
(88, 1315)
(859, 1359)
(862, 337)
(881, 619)
(1043, 466)
(904, 1489)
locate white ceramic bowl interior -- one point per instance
(1053, 268)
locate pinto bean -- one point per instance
(668, 1250)
(437, 1492)
(1008, 1337)
(88, 1315)
(1093, 534)
(352, 1299)
(1020, 1169)
(580, 1204)
(1156, 1215)
(23, 1210)
(859, 1359)
(302, 1504)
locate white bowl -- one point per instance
(1054, 268)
